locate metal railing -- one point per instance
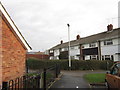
(40, 80)
(23, 82)
(49, 75)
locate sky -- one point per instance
(43, 23)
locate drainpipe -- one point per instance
(81, 53)
(99, 50)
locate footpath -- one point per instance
(73, 79)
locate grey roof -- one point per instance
(92, 38)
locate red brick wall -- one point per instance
(39, 56)
(0, 52)
(13, 54)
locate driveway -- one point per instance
(73, 79)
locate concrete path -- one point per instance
(73, 79)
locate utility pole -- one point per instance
(69, 46)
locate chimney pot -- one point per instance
(61, 42)
(78, 37)
(110, 27)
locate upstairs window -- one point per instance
(108, 42)
(76, 47)
(51, 51)
(92, 45)
(72, 47)
(64, 49)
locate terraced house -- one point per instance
(101, 46)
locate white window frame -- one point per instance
(72, 48)
(108, 56)
(108, 42)
(92, 45)
(64, 49)
(94, 57)
(103, 57)
(51, 51)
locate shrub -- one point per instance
(34, 63)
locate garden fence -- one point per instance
(40, 80)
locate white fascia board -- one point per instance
(14, 27)
(108, 38)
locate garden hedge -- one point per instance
(34, 63)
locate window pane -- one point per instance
(108, 42)
(107, 57)
(94, 57)
(92, 45)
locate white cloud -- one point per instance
(43, 22)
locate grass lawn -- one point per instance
(31, 74)
(95, 78)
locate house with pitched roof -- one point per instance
(13, 49)
(101, 46)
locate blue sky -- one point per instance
(43, 23)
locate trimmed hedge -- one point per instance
(34, 63)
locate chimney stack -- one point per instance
(78, 37)
(61, 41)
(110, 27)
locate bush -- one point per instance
(34, 63)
